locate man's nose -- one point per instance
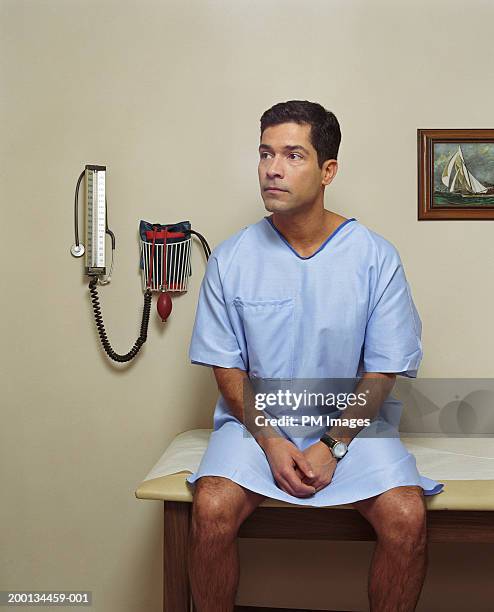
(275, 167)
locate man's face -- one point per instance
(288, 163)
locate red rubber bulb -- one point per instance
(164, 305)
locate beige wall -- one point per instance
(168, 95)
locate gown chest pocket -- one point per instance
(269, 335)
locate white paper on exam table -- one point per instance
(439, 458)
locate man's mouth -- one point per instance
(274, 189)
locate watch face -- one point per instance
(339, 449)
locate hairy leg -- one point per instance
(219, 507)
(399, 563)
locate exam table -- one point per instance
(462, 512)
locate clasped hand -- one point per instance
(300, 473)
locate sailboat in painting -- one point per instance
(459, 180)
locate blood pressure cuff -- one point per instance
(175, 232)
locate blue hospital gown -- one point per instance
(344, 310)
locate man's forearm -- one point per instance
(234, 385)
(379, 386)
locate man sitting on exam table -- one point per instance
(306, 293)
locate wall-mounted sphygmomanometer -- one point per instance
(164, 261)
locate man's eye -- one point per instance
(297, 155)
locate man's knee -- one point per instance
(400, 515)
(214, 507)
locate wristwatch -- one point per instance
(338, 448)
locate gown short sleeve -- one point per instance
(213, 341)
(393, 334)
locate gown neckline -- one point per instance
(333, 233)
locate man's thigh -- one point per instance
(217, 498)
(402, 507)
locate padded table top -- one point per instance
(464, 465)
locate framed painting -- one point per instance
(455, 174)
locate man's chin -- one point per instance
(275, 206)
(279, 210)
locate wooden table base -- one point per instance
(301, 524)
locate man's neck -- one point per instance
(307, 230)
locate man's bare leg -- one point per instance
(220, 506)
(399, 563)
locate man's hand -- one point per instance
(323, 463)
(288, 465)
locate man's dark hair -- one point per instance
(325, 135)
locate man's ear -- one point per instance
(329, 170)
